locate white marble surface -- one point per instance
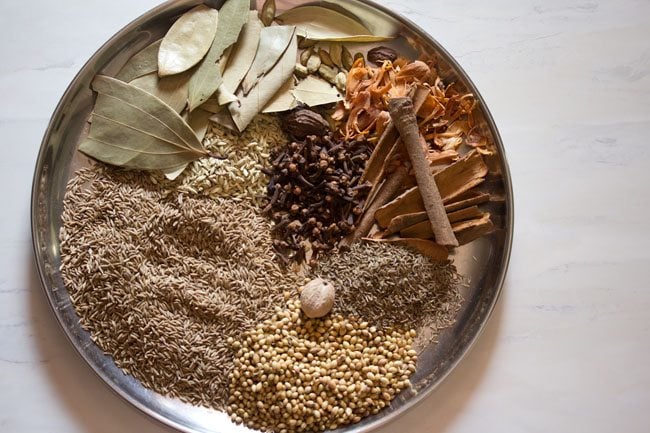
(568, 348)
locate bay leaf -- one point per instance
(273, 42)
(324, 24)
(174, 172)
(243, 55)
(359, 9)
(315, 91)
(207, 77)
(267, 86)
(225, 96)
(224, 119)
(199, 121)
(223, 60)
(172, 90)
(187, 41)
(134, 129)
(283, 99)
(142, 63)
(212, 105)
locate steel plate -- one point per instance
(484, 261)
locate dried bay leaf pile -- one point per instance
(223, 65)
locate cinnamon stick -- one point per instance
(378, 156)
(388, 190)
(467, 213)
(469, 198)
(454, 183)
(467, 231)
(408, 202)
(405, 220)
(388, 146)
(421, 230)
(403, 115)
(470, 170)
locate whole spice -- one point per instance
(187, 41)
(314, 91)
(294, 374)
(387, 191)
(336, 52)
(326, 24)
(328, 72)
(302, 122)
(403, 115)
(206, 78)
(238, 173)
(263, 92)
(346, 58)
(379, 55)
(313, 62)
(315, 194)
(454, 182)
(273, 42)
(142, 63)
(317, 298)
(132, 128)
(325, 58)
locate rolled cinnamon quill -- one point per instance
(403, 115)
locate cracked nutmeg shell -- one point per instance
(302, 122)
(379, 55)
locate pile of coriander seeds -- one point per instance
(295, 374)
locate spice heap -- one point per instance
(315, 194)
(161, 279)
(294, 374)
(238, 170)
(389, 285)
(423, 195)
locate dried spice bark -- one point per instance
(452, 181)
(467, 231)
(403, 115)
(385, 194)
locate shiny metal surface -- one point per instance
(484, 261)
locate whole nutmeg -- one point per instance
(379, 55)
(317, 298)
(303, 122)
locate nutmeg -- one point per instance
(303, 122)
(379, 55)
(317, 298)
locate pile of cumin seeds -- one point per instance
(161, 280)
(393, 286)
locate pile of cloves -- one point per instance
(315, 194)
